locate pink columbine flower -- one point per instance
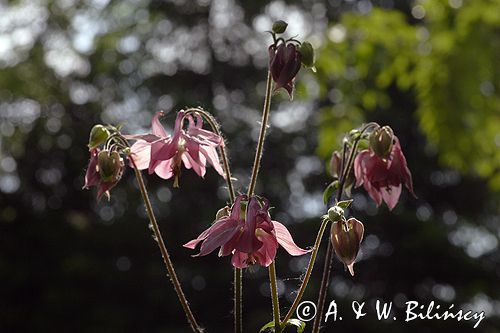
(382, 177)
(284, 64)
(248, 233)
(163, 154)
(104, 171)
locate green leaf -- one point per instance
(269, 327)
(330, 189)
(345, 203)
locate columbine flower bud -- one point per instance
(307, 52)
(279, 27)
(110, 166)
(284, 64)
(98, 135)
(346, 237)
(335, 213)
(335, 164)
(381, 141)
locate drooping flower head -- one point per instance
(104, 171)
(248, 234)
(346, 237)
(383, 176)
(163, 154)
(284, 64)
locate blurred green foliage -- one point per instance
(448, 63)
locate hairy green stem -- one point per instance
(238, 297)
(164, 253)
(309, 270)
(262, 135)
(274, 294)
(329, 252)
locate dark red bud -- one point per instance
(346, 237)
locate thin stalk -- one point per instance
(309, 270)
(324, 284)
(262, 135)
(164, 253)
(238, 295)
(238, 298)
(274, 294)
(329, 252)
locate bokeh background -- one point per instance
(429, 69)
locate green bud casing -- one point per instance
(98, 135)
(335, 213)
(110, 166)
(307, 52)
(279, 27)
(381, 141)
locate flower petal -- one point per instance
(211, 155)
(267, 252)
(239, 260)
(157, 127)
(164, 169)
(248, 243)
(92, 177)
(220, 233)
(359, 168)
(145, 137)
(285, 239)
(391, 194)
(141, 154)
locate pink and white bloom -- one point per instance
(382, 178)
(163, 154)
(248, 234)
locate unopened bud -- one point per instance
(346, 237)
(335, 213)
(381, 141)
(98, 135)
(307, 52)
(279, 27)
(110, 166)
(335, 164)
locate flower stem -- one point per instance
(346, 166)
(262, 135)
(274, 294)
(164, 253)
(324, 284)
(238, 297)
(309, 270)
